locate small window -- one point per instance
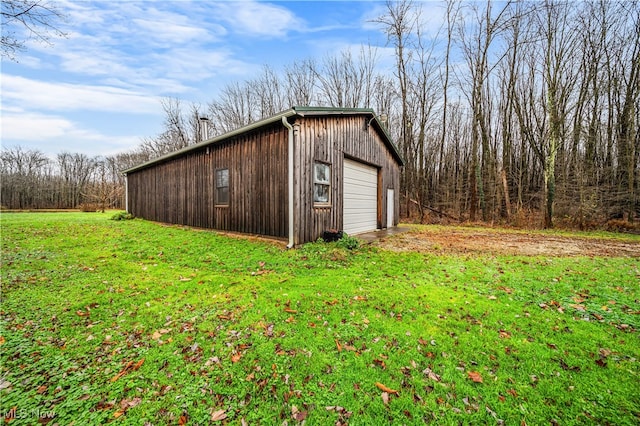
(321, 183)
(222, 187)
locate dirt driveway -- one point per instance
(495, 241)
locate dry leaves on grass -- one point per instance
(474, 376)
(218, 415)
(384, 388)
(298, 415)
(430, 374)
(129, 367)
(125, 404)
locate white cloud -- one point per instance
(48, 133)
(258, 19)
(33, 127)
(40, 95)
(140, 47)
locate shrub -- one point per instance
(620, 225)
(122, 216)
(349, 243)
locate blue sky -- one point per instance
(98, 91)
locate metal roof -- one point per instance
(300, 111)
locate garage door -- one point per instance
(360, 197)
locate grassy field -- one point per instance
(134, 322)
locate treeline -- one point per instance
(512, 111)
(31, 180)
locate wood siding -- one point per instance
(181, 190)
(329, 139)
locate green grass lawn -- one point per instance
(134, 322)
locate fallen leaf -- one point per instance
(359, 298)
(385, 398)
(118, 413)
(236, 357)
(430, 374)
(290, 311)
(122, 372)
(2, 340)
(219, 415)
(475, 376)
(339, 346)
(298, 415)
(383, 388)
(127, 368)
(380, 363)
(604, 352)
(42, 389)
(183, 420)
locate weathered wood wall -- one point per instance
(181, 190)
(330, 139)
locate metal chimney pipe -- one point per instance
(204, 128)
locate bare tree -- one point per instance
(301, 81)
(23, 173)
(345, 82)
(104, 190)
(627, 106)
(233, 108)
(179, 131)
(76, 171)
(398, 24)
(28, 19)
(477, 41)
(268, 93)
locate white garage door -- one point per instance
(360, 197)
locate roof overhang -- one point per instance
(295, 111)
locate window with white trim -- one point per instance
(321, 183)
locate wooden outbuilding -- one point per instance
(295, 175)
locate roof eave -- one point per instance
(278, 117)
(299, 111)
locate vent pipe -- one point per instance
(204, 128)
